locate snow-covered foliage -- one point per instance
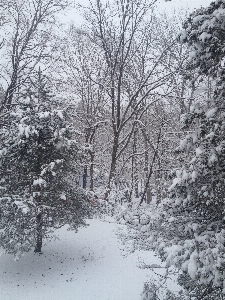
(151, 292)
(196, 202)
(188, 230)
(38, 163)
(204, 32)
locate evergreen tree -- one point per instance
(38, 163)
(192, 223)
(188, 230)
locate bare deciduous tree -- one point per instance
(28, 39)
(123, 33)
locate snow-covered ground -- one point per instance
(88, 265)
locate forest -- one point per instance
(122, 116)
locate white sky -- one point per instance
(168, 7)
(190, 4)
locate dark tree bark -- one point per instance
(39, 234)
(92, 171)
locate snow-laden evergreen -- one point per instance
(188, 230)
(39, 159)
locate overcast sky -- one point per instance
(190, 4)
(168, 7)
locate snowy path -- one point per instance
(87, 265)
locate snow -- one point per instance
(89, 265)
(3, 151)
(175, 182)
(22, 205)
(24, 129)
(210, 113)
(63, 196)
(192, 54)
(194, 175)
(59, 144)
(60, 114)
(185, 175)
(21, 129)
(198, 18)
(192, 266)
(204, 36)
(212, 159)
(27, 131)
(39, 181)
(194, 137)
(44, 114)
(198, 151)
(219, 13)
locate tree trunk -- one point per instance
(85, 174)
(135, 176)
(85, 177)
(111, 176)
(146, 168)
(112, 167)
(39, 234)
(92, 172)
(134, 172)
(148, 196)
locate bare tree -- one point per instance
(122, 30)
(28, 37)
(80, 69)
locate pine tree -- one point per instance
(39, 159)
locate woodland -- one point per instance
(124, 115)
